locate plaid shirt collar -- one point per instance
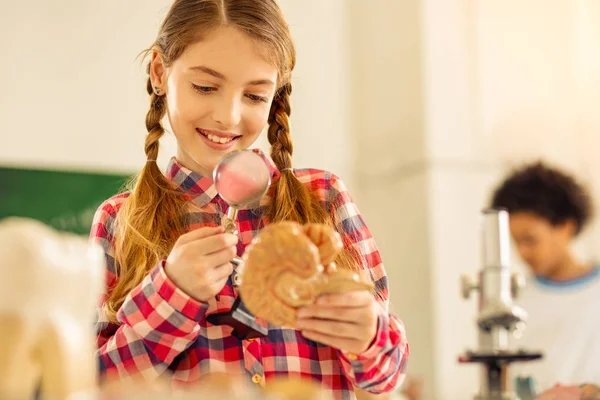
(201, 189)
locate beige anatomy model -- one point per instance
(288, 266)
(50, 284)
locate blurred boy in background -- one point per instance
(548, 210)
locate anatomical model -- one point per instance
(288, 266)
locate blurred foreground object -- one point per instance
(50, 283)
(217, 386)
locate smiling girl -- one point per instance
(220, 71)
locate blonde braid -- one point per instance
(279, 137)
(148, 223)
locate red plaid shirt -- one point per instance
(162, 329)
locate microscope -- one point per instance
(498, 317)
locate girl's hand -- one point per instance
(199, 263)
(345, 321)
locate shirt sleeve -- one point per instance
(156, 322)
(381, 368)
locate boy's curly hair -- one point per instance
(546, 192)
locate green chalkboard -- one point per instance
(64, 200)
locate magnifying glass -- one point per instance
(241, 178)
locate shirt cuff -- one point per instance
(157, 303)
(380, 342)
(179, 300)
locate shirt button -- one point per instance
(351, 356)
(256, 378)
(250, 340)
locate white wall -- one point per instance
(74, 93)
(321, 119)
(386, 53)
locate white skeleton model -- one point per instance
(50, 284)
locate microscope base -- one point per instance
(496, 365)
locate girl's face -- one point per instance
(218, 93)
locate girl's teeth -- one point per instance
(217, 139)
